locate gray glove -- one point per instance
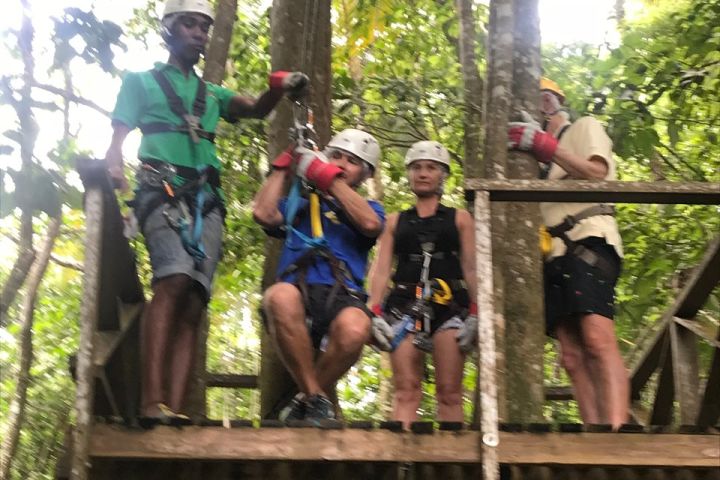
(467, 334)
(383, 333)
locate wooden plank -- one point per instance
(690, 299)
(94, 212)
(702, 331)
(650, 361)
(310, 444)
(106, 342)
(486, 336)
(710, 404)
(704, 279)
(559, 393)
(231, 380)
(662, 411)
(695, 193)
(686, 374)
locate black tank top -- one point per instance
(412, 231)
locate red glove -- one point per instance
(314, 167)
(531, 138)
(472, 308)
(377, 310)
(292, 82)
(284, 160)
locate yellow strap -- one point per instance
(545, 241)
(315, 222)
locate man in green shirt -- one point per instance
(179, 202)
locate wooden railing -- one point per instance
(673, 346)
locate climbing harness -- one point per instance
(191, 125)
(184, 205)
(576, 249)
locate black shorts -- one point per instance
(320, 314)
(573, 287)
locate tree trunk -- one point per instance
(525, 327)
(473, 89)
(498, 98)
(16, 415)
(28, 134)
(300, 40)
(216, 57)
(26, 256)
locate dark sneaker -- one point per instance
(319, 408)
(294, 410)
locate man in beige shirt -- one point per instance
(583, 264)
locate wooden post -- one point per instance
(687, 381)
(94, 211)
(486, 338)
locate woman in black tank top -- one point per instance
(443, 236)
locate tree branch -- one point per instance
(71, 97)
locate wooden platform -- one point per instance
(376, 445)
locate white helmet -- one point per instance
(359, 143)
(189, 6)
(428, 150)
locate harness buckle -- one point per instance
(193, 125)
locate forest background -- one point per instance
(654, 82)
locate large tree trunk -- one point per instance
(300, 40)
(16, 416)
(217, 53)
(498, 98)
(524, 313)
(473, 89)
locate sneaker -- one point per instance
(294, 410)
(319, 408)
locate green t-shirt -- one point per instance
(142, 101)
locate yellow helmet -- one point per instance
(547, 84)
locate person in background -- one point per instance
(583, 262)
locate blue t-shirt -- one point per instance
(343, 239)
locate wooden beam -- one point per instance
(94, 214)
(694, 193)
(559, 393)
(705, 277)
(662, 412)
(486, 336)
(690, 299)
(702, 331)
(650, 360)
(230, 380)
(310, 444)
(710, 404)
(686, 372)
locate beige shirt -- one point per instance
(586, 137)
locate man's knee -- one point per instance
(281, 296)
(351, 329)
(571, 360)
